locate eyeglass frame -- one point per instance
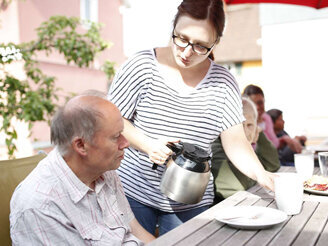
(192, 45)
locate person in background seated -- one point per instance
(227, 178)
(264, 120)
(74, 196)
(286, 154)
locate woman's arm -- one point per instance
(242, 155)
(293, 144)
(156, 149)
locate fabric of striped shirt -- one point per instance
(52, 206)
(160, 109)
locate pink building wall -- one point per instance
(25, 16)
(33, 12)
(9, 28)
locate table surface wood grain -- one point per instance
(307, 228)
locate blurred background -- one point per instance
(281, 48)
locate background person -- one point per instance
(227, 178)
(286, 154)
(178, 93)
(74, 196)
(256, 94)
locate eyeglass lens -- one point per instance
(182, 43)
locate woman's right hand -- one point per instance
(266, 180)
(157, 150)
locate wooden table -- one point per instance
(307, 228)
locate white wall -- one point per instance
(249, 75)
(295, 66)
(147, 23)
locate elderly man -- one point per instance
(74, 196)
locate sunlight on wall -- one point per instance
(295, 66)
(23, 144)
(147, 24)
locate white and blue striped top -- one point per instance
(158, 108)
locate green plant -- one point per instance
(34, 99)
(4, 4)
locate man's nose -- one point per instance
(124, 143)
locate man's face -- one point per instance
(107, 148)
(250, 127)
(258, 99)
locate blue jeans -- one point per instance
(287, 163)
(149, 217)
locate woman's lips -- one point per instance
(184, 61)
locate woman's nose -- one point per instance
(188, 51)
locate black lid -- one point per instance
(195, 153)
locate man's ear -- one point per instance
(79, 146)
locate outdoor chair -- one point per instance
(12, 172)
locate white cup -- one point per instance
(323, 163)
(289, 192)
(304, 164)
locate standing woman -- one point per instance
(178, 93)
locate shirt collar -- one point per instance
(100, 182)
(75, 187)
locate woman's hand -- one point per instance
(293, 144)
(302, 139)
(266, 179)
(157, 150)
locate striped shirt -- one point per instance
(159, 108)
(53, 207)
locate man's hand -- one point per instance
(139, 232)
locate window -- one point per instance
(89, 10)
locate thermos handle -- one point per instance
(174, 147)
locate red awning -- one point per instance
(318, 4)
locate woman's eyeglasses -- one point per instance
(197, 48)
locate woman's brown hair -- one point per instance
(211, 10)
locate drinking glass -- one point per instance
(289, 192)
(304, 164)
(323, 163)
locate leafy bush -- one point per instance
(34, 99)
